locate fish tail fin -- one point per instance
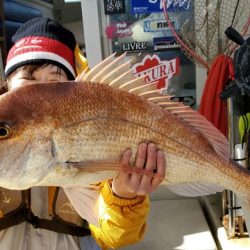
(85, 201)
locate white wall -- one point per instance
(201, 76)
(91, 24)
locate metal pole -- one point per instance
(229, 194)
(238, 153)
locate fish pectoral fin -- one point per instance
(195, 189)
(85, 201)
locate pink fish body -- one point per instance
(62, 134)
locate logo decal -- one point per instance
(165, 43)
(153, 69)
(135, 46)
(116, 30)
(67, 208)
(114, 6)
(158, 25)
(150, 6)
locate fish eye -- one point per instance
(4, 131)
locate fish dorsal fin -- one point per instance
(116, 72)
(91, 73)
(192, 117)
(217, 140)
(113, 66)
(132, 84)
(82, 74)
(160, 98)
(124, 78)
(144, 88)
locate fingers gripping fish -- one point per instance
(73, 135)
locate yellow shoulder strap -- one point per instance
(81, 62)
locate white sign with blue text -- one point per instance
(150, 6)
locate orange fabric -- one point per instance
(211, 106)
(51, 194)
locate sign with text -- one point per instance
(155, 70)
(165, 43)
(114, 6)
(149, 6)
(156, 25)
(134, 46)
(121, 29)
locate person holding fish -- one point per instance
(45, 51)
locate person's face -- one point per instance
(27, 75)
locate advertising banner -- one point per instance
(150, 6)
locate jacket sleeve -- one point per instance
(122, 221)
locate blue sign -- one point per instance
(149, 6)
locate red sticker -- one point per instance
(156, 70)
(116, 30)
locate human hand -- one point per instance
(127, 185)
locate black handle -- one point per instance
(234, 35)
